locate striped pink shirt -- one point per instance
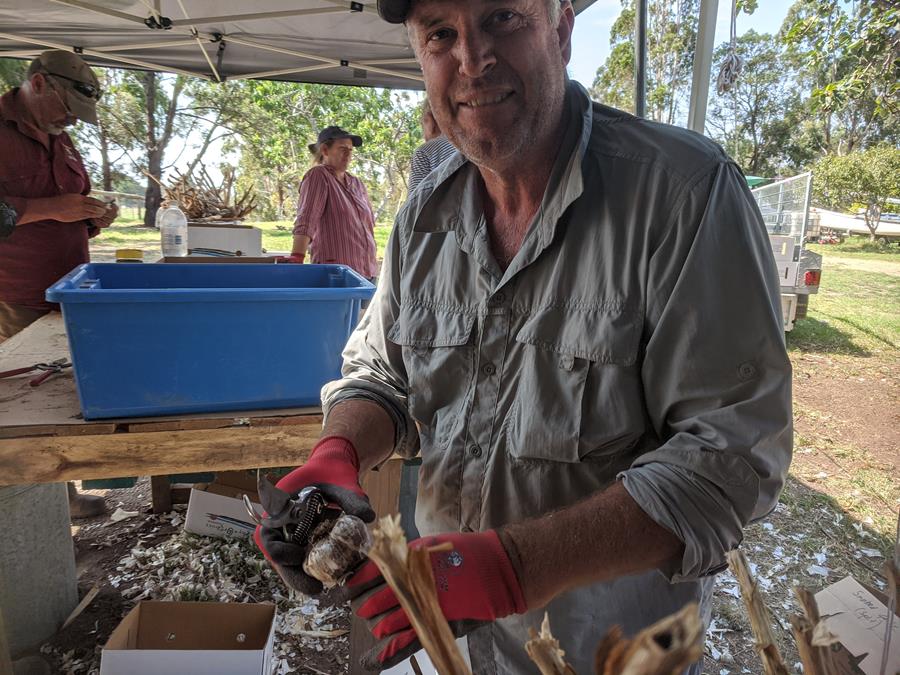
(338, 218)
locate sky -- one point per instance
(590, 42)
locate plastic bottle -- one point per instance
(173, 231)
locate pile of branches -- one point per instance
(202, 200)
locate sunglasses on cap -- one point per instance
(83, 88)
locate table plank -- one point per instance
(51, 459)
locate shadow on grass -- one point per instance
(812, 335)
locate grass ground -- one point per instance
(838, 512)
(858, 247)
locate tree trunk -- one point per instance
(152, 194)
(105, 168)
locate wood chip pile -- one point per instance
(202, 200)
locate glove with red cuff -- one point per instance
(476, 584)
(298, 259)
(333, 468)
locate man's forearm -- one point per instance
(601, 538)
(367, 426)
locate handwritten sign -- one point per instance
(859, 620)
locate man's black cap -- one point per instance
(394, 11)
(333, 134)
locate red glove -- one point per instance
(476, 584)
(290, 258)
(332, 467)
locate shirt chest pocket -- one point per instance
(578, 391)
(439, 358)
(25, 182)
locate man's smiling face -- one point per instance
(494, 71)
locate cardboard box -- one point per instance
(200, 638)
(217, 509)
(423, 662)
(241, 239)
(859, 620)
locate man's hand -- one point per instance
(68, 208)
(332, 467)
(96, 225)
(108, 217)
(476, 584)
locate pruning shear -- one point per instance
(49, 369)
(297, 517)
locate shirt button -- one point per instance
(488, 369)
(475, 451)
(498, 300)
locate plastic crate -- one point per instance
(167, 339)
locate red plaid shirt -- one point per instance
(338, 218)
(37, 255)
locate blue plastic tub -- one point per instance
(166, 339)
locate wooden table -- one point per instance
(44, 439)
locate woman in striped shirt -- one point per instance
(335, 220)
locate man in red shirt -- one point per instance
(334, 215)
(46, 216)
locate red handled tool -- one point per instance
(49, 369)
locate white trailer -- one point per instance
(784, 205)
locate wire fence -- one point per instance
(784, 206)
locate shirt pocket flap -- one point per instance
(419, 326)
(602, 336)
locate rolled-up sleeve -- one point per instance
(373, 365)
(716, 375)
(312, 201)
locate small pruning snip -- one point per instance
(297, 516)
(49, 369)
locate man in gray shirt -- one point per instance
(431, 154)
(578, 327)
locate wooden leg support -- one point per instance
(161, 491)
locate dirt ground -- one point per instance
(834, 519)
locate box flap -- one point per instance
(859, 621)
(125, 634)
(204, 625)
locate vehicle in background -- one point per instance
(784, 206)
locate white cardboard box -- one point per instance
(245, 239)
(426, 667)
(217, 509)
(859, 620)
(192, 638)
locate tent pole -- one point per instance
(640, 58)
(706, 34)
(46, 44)
(276, 73)
(322, 59)
(263, 15)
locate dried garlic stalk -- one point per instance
(544, 650)
(812, 636)
(408, 572)
(665, 648)
(760, 621)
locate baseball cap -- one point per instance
(394, 11)
(331, 134)
(76, 78)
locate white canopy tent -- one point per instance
(325, 41)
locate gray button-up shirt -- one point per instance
(637, 335)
